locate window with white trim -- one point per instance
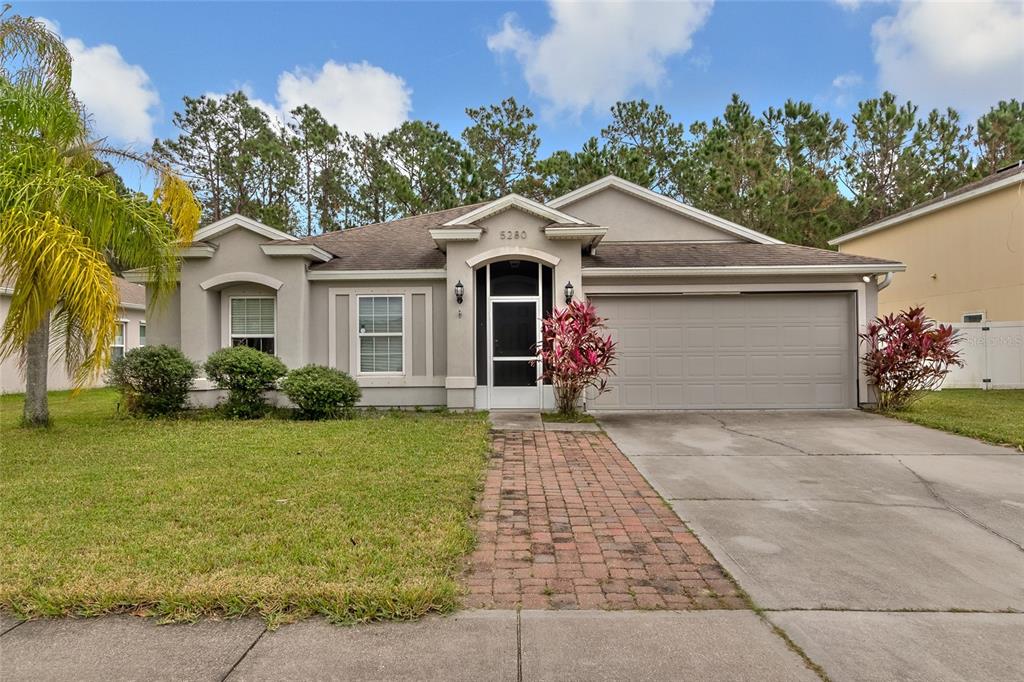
(117, 348)
(381, 342)
(253, 322)
(142, 333)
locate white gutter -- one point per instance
(930, 208)
(333, 275)
(886, 281)
(746, 270)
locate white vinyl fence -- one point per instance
(993, 354)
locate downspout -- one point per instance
(886, 281)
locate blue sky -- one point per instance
(391, 61)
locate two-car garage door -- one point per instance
(731, 351)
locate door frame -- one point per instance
(512, 397)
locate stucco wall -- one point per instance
(630, 218)
(12, 381)
(508, 235)
(202, 313)
(965, 258)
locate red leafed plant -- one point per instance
(908, 354)
(575, 354)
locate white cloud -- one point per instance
(967, 55)
(845, 81)
(358, 98)
(597, 52)
(843, 87)
(120, 96)
(854, 5)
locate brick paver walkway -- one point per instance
(566, 521)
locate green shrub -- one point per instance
(153, 380)
(246, 373)
(321, 392)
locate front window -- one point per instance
(117, 348)
(380, 335)
(253, 323)
(142, 333)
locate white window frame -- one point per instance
(361, 334)
(142, 335)
(231, 336)
(124, 340)
(984, 317)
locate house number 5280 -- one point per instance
(513, 234)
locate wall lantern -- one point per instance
(460, 291)
(569, 291)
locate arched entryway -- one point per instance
(514, 296)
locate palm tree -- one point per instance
(64, 215)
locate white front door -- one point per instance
(514, 332)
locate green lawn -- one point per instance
(995, 416)
(355, 520)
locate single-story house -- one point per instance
(964, 253)
(445, 308)
(131, 333)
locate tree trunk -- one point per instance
(37, 358)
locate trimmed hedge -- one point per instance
(321, 392)
(246, 373)
(153, 380)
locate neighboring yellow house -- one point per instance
(964, 252)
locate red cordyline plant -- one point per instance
(575, 354)
(908, 354)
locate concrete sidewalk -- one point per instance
(471, 645)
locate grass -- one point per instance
(355, 520)
(559, 418)
(993, 416)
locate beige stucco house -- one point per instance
(131, 333)
(445, 308)
(964, 252)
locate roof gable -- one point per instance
(728, 228)
(515, 201)
(235, 221)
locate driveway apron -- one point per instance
(826, 515)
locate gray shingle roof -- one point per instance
(406, 244)
(403, 244)
(716, 254)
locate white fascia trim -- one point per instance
(310, 251)
(467, 234)
(233, 277)
(745, 270)
(515, 201)
(141, 276)
(237, 220)
(930, 208)
(375, 274)
(198, 251)
(665, 202)
(594, 234)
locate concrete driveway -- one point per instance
(866, 538)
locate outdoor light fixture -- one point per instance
(569, 291)
(460, 291)
(866, 278)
